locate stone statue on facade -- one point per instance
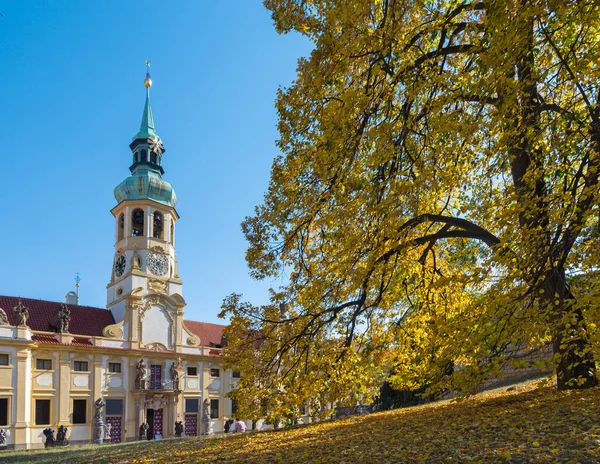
(63, 318)
(141, 380)
(3, 318)
(135, 260)
(22, 313)
(207, 428)
(107, 432)
(99, 425)
(175, 373)
(61, 436)
(49, 434)
(4, 434)
(178, 428)
(144, 431)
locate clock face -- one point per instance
(158, 264)
(120, 265)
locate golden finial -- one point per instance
(148, 81)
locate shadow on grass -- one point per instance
(89, 454)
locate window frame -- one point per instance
(214, 415)
(122, 413)
(7, 399)
(35, 411)
(120, 371)
(43, 360)
(195, 370)
(197, 405)
(8, 359)
(213, 370)
(234, 407)
(78, 362)
(85, 414)
(235, 374)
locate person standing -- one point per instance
(233, 427)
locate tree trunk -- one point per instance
(576, 367)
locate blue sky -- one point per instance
(71, 99)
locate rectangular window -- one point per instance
(42, 412)
(192, 371)
(80, 366)
(79, 411)
(235, 374)
(43, 364)
(3, 411)
(4, 359)
(114, 367)
(114, 407)
(215, 373)
(233, 407)
(214, 409)
(192, 405)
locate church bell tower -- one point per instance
(144, 264)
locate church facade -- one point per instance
(149, 365)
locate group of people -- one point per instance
(232, 426)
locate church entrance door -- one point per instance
(150, 422)
(191, 425)
(155, 422)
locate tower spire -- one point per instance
(147, 126)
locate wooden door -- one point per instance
(191, 425)
(155, 377)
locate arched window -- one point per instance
(143, 156)
(157, 227)
(137, 223)
(153, 157)
(135, 157)
(121, 227)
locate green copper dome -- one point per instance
(149, 186)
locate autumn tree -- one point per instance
(438, 186)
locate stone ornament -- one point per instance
(144, 431)
(49, 434)
(136, 261)
(207, 427)
(99, 425)
(141, 380)
(61, 436)
(178, 429)
(4, 434)
(22, 313)
(107, 432)
(176, 373)
(62, 318)
(3, 318)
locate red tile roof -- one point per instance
(85, 320)
(90, 321)
(45, 339)
(210, 334)
(48, 339)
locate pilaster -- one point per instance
(64, 387)
(23, 399)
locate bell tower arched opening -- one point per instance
(158, 225)
(121, 227)
(137, 223)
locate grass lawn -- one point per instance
(517, 424)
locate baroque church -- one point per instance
(149, 365)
